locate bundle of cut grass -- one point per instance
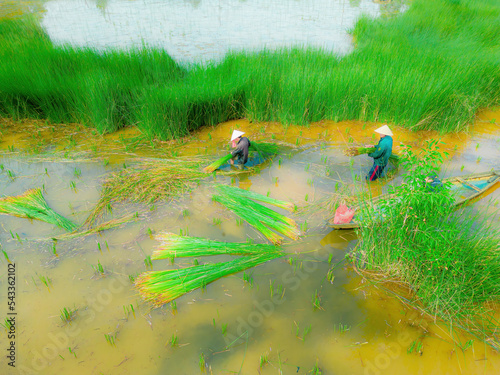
(355, 151)
(264, 149)
(182, 246)
(32, 205)
(148, 182)
(231, 190)
(160, 287)
(260, 217)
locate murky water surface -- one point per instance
(203, 30)
(234, 325)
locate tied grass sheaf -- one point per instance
(172, 246)
(432, 67)
(262, 218)
(32, 205)
(449, 259)
(160, 287)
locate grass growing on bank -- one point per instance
(450, 260)
(432, 67)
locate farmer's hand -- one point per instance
(231, 161)
(369, 146)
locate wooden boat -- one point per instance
(465, 189)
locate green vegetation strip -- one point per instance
(172, 246)
(160, 287)
(449, 259)
(32, 205)
(432, 67)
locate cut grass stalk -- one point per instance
(161, 287)
(181, 246)
(32, 205)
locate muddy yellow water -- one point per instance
(264, 322)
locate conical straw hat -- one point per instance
(384, 130)
(236, 134)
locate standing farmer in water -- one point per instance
(240, 153)
(381, 155)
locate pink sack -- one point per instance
(343, 215)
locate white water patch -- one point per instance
(205, 30)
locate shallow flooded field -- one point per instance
(284, 316)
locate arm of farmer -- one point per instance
(236, 153)
(380, 150)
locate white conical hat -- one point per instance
(236, 134)
(384, 130)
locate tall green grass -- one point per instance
(432, 67)
(449, 260)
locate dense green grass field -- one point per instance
(432, 67)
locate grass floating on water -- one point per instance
(32, 205)
(161, 287)
(173, 246)
(262, 218)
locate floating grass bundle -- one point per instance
(260, 217)
(32, 205)
(226, 189)
(217, 164)
(148, 182)
(173, 246)
(264, 149)
(160, 287)
(355, 151)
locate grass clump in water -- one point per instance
(32, 205)
(449, 259)
(161, 287)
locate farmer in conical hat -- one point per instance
(241, 144)
(383, 151)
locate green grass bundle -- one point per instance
(32, 205)
(160, 287)
(172, 246)
(260, 217)
(231, 190)
(217, 164)
(149, 182)
(264, 149)
(355, 151)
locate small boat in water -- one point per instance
(465, 189)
